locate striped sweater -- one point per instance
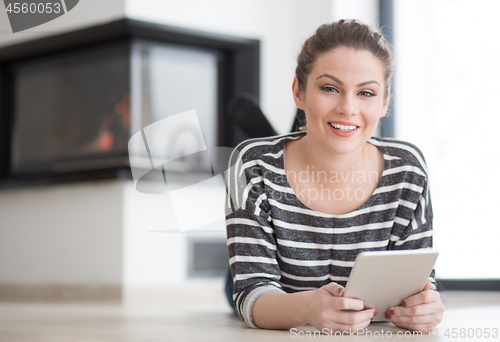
(277, 243)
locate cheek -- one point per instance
(373, 110)
(320, 105)
(315, 108)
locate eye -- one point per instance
(329, 88)
(367, 93)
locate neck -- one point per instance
(323, 159)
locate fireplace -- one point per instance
(70, 103)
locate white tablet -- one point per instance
(383, 279)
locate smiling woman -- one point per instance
(343, 101)
(292, 241)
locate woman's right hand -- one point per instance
(329, 309)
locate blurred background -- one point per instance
(74, 226)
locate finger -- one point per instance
(417, 310)
(355, 317)
(348, 328)
(421, 298)
(349, 304)
(425, 328)
(334, 289)
(427, 286)
(427, 319)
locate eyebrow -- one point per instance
(341, 83)
(367, 82)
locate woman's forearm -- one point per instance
(277, 310)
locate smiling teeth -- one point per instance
(343, 128)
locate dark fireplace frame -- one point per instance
(239, 71)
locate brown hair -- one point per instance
(344, 33)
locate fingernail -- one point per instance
(375, 313)
(364, 306)
(340, 289)
(403, 304)
(391, 312)
(387, 316)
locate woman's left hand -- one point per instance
(420, 312)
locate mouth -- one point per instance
(343, 128)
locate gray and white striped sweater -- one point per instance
(276, 243)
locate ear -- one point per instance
(385, 105)
(298, 95)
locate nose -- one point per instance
(347, 105)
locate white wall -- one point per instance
(151, 257)
(447, 104)
(62, 234)
(365, 10)
(154, 248)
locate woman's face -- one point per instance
(343, 99)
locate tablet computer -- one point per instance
(383, 279)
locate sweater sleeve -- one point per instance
(250, 235)
(418, 233)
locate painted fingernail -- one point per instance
(364, 306)
(375, 313)
(403, 304)
(391, 312)
(340, 289)
(387, 316)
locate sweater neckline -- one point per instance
(369, 202)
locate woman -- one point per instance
(304, 204)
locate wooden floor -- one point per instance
(198, 312)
